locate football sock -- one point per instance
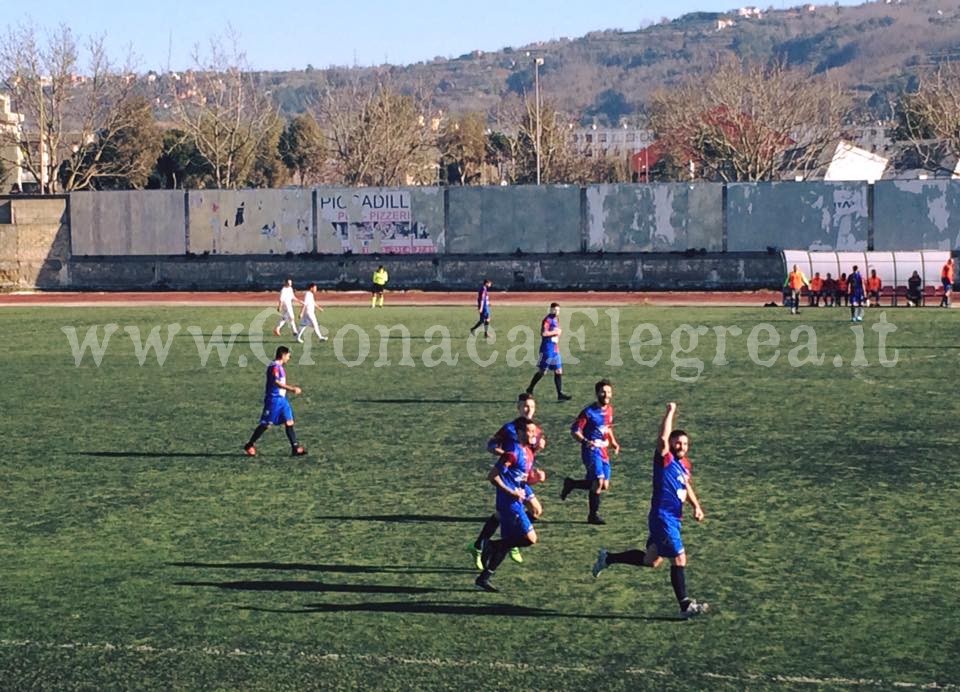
(558, 383)
(494, 553)
(582, 484)
(627, 557)
(486, 533)
(594, 504)
(679, 584)
(533, 382)
(477, 326)
(291, 435)
(257, 434)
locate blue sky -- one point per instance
(279, 35)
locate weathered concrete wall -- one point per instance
(128, 223)
(250, 222)
(648, 271)
(916, 215)
(34, 243)
(809, 216)
(530, 218)
(654, 218)
(403, 221)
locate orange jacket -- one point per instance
(816, 284)
(947, 272)
(874, 283)
(796, 280)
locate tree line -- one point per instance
(89, 123)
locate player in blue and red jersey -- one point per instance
(672, 486)
(509, 477)
(483, 307)
(276, 408)
(858, 294)
(498, 444)
(593, 429)
(550, 352)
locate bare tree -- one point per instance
(932, 112)
(223, 110)
(463, 147)
(744, 122)
(378, 136)
(557, 157)
(72, 112)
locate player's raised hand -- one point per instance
(672, 407)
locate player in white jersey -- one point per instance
(285, 307)
(308, 314)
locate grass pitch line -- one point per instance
(381, 660)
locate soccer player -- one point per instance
(874, 286)
(285, 307)
(509, 477)
(672, 485)
(946, 280)
(550, 352)
(276, 408)
(380, 278)
(795, 281)
(498, 445)
(593, 429)
(483, 307)
(308, 314)
(858, 294)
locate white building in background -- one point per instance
(615, 142)
(853, 163)
(10, 154)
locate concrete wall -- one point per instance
(654, 218)
(128, 223)
(34, 243)
(917, 214)
(249, 222)
(809, 216)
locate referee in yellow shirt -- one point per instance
(380, 278)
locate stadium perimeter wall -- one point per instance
(651, 237)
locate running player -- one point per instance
(550, 352)
(285, 307)
(308, 314)
(509, 477)
(672, 485)
(276, 408)
(593, 429)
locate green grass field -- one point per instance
(141, 550)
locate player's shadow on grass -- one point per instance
(303, 567)
(407, 518)
(429, 401)
(159, 455)
(444, 608)
(315, 586)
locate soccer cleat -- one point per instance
(693, 609)
(323, 338)
(483, 582)
(596, 519)
(600, 564)
(250, 450)
(515, 555)
(276, 331)
(477, 555)
(567, 488)
(563, 397)
(299, 340)
(298, 451)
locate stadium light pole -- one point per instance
(537, 62)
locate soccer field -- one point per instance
(141, 549)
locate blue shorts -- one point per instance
(856, 298)
(485, 315)
(596, 466)
(276, 410)
(514, 524)
(550, 361)
(665, 534)
(947, 284)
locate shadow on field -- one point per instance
(429, 401)
(442, 608)
(345, 569)
(406, 518)
(313, 586)
(158, 455)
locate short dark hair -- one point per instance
(601, 384)
(281, 352)
(554, 305)
(311, 285)
(525, 396)
(522, 422)
(678, 433)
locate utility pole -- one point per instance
(537, 62)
